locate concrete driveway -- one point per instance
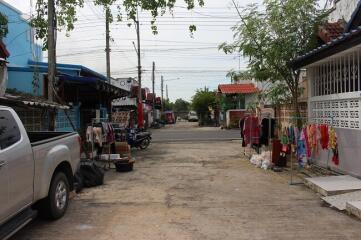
(189, 131)
(196, 190)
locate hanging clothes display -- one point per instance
(285, 140)
(304, 137)
(101, 133)
(291, 135)
(98, 135)
(333, 145)
(324, 140)
(241, 126)
(266, 132)
(301, 152)
(251, 130)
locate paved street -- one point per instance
(189, 131)
(196, 190)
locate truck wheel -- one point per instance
(57, 202)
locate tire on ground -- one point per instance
(49, 207)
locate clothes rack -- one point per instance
(97, 122)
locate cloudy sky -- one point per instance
(187, 63)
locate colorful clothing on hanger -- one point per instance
(324, 140)
(304, 137)
(301, 153)
(266, 132)
(251, 130)
(333, 145)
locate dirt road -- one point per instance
(196, 191)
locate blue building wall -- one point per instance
(19, 43)
(20, 79)
(19, 40)
(62, 121)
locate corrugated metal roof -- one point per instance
(237, 88)
(31, 101)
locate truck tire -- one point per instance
(56, 204)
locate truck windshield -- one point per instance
(9, 131)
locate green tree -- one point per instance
(237, 76)
(202, 101)
(3, 26)
(181, 105)
(272, 35)
(168, 105)
(66, 11)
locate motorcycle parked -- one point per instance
(138, 138)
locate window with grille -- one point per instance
(337, 75)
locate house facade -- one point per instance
(87, 92)
(334, 74)
(22, 48)
(235, 99)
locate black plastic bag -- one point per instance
(92, 175)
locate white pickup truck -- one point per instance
(36, 172)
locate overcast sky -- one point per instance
(186, 63)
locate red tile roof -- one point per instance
(330, 31)
(237, 88)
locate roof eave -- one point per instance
(351, 40)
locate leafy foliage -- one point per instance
(66, 12)
(228, 102)
(272, 35)
(202, 101)
(238, 76)
(168, 105)
(278, 94)
(181, 105)
(3, 26)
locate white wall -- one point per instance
(343, 9)
(250, 99)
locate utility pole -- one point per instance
(107, 51)
(153, 85)
(51, 50)
(162, 89)
(51, 59)
(107, 39)
(166, 91)
(140, 106)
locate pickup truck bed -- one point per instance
(37, 138)
(36, 170)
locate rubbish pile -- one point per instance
(262, 160)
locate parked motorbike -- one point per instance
(138, 138)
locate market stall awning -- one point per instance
(24, 100)
(94, 83)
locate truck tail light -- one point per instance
(80, 144)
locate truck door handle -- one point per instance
(2, 164)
